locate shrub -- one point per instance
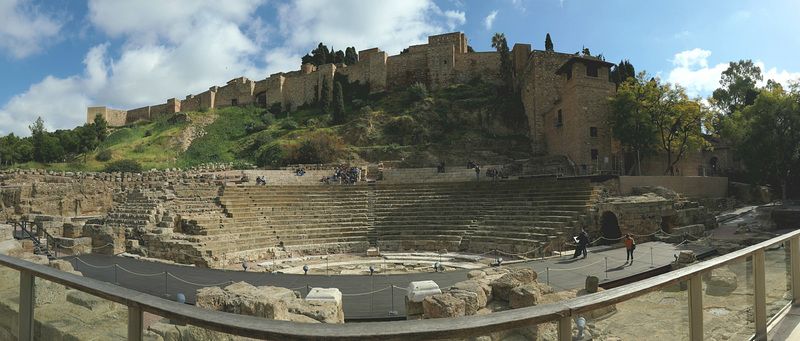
(139, 148)
(418, 91)
(316, 147)
(129, 166)
(254, 127)
(289, 124)
(103, 156)
(268, 118)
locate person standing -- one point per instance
(630, 245)
(583, 241)
(478, 173)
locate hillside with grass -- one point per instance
(462, 122)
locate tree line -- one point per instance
(57, 146)
(761, 125)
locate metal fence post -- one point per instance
(760, 299)
(696, 308)
(794, 246)
(27, 300)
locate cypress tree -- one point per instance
(325, 96)
(338, 104)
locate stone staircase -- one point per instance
(248, 222)
(138, 213)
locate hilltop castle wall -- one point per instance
(543, 78)
(114, 117)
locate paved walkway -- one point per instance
(377, 296)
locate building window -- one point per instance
(591, 70)
(234, 102)
(558, 120)
(592, 131)
(595, 153)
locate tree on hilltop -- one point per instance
(350, 56)
(500, 44)
(338, 104)
(548, 43)
(325, 96)
(622, 72)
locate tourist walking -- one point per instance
(630, 245)
(583, 241)
(477, 173)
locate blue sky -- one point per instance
(60, 57)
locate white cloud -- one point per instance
(53, 99)
(490, 20)
(693, 72)
(24, 30)
(187, 46)
(687, 59)
(454, 18)
(389, 25)
(784, 77)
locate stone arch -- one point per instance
(609, 229)
(261, 99)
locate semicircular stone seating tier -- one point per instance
(515, 216)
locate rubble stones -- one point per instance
(501, 287)
(443, 306)
(267, 302)
(526, 295)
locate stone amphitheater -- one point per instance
(211, 217)
(215, 217)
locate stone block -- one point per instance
(526, 295)
(61, 265)
(91, 302)
(373, 252)
(686, 256)
(502, 286)
(6, 232)
(481, 289)
(11, 247)
(332, 295)
(417, 291)
(592, 283)
(72, 230)
(443, 306)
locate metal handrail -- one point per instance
(460, 327)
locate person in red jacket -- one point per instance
(630, 245)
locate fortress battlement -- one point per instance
(564, 95)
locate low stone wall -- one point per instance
(689, 186)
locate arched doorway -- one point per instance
(713, 164)
(610, 229)
(261, 99)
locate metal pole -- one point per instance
(548, 276)
(115, 274)
(166, 281)
(605, 279)
(651, 258)
(326, 266)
